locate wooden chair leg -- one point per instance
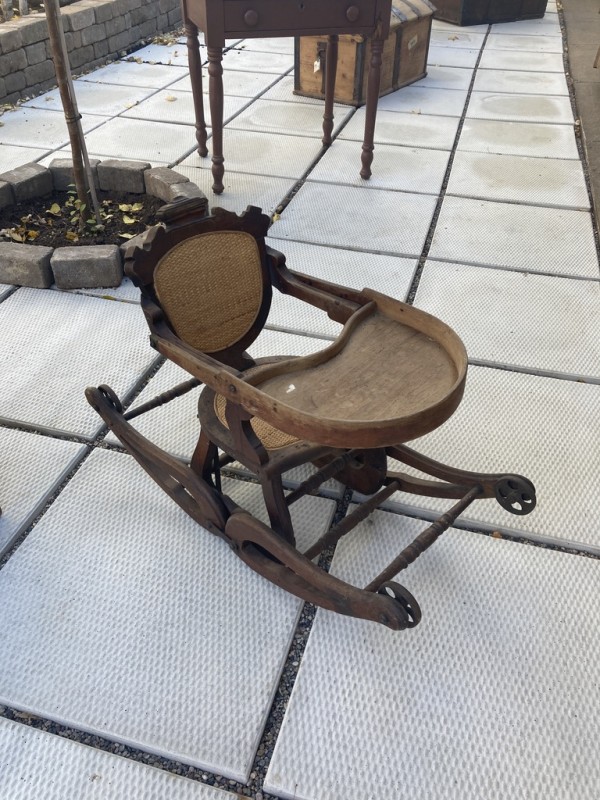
(277, 507)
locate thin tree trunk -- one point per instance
(69, 104)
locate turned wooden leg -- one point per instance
(330, 73)
(195, 64)
(371, 110)
(215, 94)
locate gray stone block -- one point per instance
(81, 56)
(30, 180)
(174, 17)
(115, 26)
(73, 40)
(7, 197)
(122, 176)
(120, 42)
(101, 50)
(159, 181)
(10, 37)
(87, 267)
(15, 82)
(82, 17)
(35, 53)
(34, 30)
(180, 190)
(25, 265)
(94, 33)
(61, 170)
(40, 72)
(104, 11)
(12, 62)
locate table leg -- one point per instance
(371, 110)
(195, 64)
(215, 94)
(330, 73)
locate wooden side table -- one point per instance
(243, 19)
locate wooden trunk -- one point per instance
(474, 12)
(404, 57)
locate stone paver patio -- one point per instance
(138, 657)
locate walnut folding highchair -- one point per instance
(393, 374)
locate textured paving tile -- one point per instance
(519, 179)
(169, 105)
(522, 237)
(241, 190)
(93, 98)
(256, 61)
(32, 466)
(283, 91)
(458, 38)
(547, 25)
(130, 73)
(239, 84)
(388, 222)
(400, 168)
(346, 267)
(543, 428)
(417, 100)
(259, 153)
(126, 292)
(498, 662)
(55, 345)
(172, 54)
(533, 321)
(524, 44)
(123, 618)
(405, 129)
(174, 426)
(516, 81)
(451, 56)
(12, 156)
(520, 108)
(446, 78)
(30, 127)
(449, 27)
(281, 44)
(517, 60)
(518, 138)
(158, 143)
(300, 119)
(40, 766)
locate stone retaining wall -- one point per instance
(95, 30)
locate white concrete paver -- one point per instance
(405, 169)
(55, 344)
(106, 99)
(519, 179)
(356, 218)
(519, 60)
(122, 617)
(538, 140)
(15, 155)
(178, 106)
(32, 468)
(539, 427)
(536, 322)
(158, 144)
(405, 129)
(31, 127)
(257, 61)
(415, 99)
(484, 698)
(439, 55)
(130, 73)
(530, 238)
(521, 43)
(519, 81)
(36, 765)
(520, 108)
(300, 119)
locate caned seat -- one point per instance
(393, 374)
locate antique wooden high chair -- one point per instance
(393, 374)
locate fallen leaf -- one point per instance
(124, 207)
(126, 235)
(170, 99)
(54, 209)
(137, 207)
(129, 220)
(71, 236)
(16, 237)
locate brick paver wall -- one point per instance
(95, 30)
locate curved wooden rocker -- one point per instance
(393, 374)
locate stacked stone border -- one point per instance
(96, 32)
(80, 266)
